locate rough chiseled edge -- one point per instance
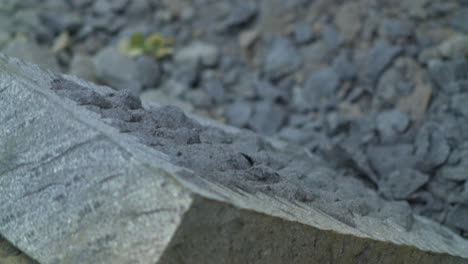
(216, 232)
(9, 254)
(276, 207)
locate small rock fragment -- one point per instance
(379, 58)
(332, 37)
(401, 183)
(239, 113)
(344, 67)
(458, 169)
(460, 21)
(148, 71)
(400, 212)
(302, 33)
(57, 23)
(198, 51)
(282, 59)
(30, 51)
(401, 157)
(240, 16)
(446, 72)
(417, 102)
(391, 124)
(324, 82)
(83, 67)
(215, 90)
(267, 117)
(391, 84)
(458, 217)
(61, 42)
(348, 20)
(394, 29)
(459, 104)
(115, 69)
(431, 147)
(247, 38)
(127, 99)
(455, 47)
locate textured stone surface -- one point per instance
(75, 190)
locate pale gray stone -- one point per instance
(76, 190)
(282, 59)
(391, 124)
(198, 51)
(30, 51)
(83, 67)
(115, 69)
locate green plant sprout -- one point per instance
(154, 45)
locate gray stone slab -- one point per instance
(75, 190)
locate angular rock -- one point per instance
(391, 124)
(247, 39)
(431, 147)
(266, 90)
(267, 117)
(417, 102)
(196, 52)
(459, 104)
(4, 38)
(387, 87)
(137, 9)
(303, 33)
(152, 96)
(238, 113)
(188, 74)
(297, 135)
(58, 23)
(344, 67)
(324, 82)
(115, 69)
(455, 47)
(402, 157)
(215, 91)
(456, 171)
(83, 67)
(459, 21)
(30, 51)
(402, 183)
(106, 6)
(91, 194)
(148, 72)
(399, 211)
(332, 37)
(446, 72)
(379, 58)
(415, 8)
(458, 217)
(240, 16)
(394, 29)
(282, 59)
(348, 20)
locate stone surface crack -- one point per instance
(108, 178)
(69, 150)
(43, 188)
(18, 166)
(4, 89)
(155, 211)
